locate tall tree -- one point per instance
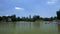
(0, 18)
(58, 14)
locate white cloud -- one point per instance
(18, 8)
(51, 2)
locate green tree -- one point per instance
(13, 17)
(0, 18)
(58, 14)
(36, 18)
(18, 18)
(55, 18)
(51, 18)
(46, 19)
(4, 18)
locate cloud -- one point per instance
(18, 8)
(51, 2)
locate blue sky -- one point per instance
(43, 8)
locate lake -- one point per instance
(43, 27)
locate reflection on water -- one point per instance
(59, 28)
(36, 24)
(29, 28)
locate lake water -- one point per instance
(30, 28)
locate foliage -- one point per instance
(58, 14)
(13, 18)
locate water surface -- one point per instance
(30, 28)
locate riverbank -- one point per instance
(32, 21)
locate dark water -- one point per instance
(30, 28)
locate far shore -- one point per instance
(32, 21)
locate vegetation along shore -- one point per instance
(13, 18)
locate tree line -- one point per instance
(13, 18)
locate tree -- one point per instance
(55, 17)
(51, 18)
(58, 14)
(36, 18)
(46, 19)
(13, 17)
(0, 18)
(18, 19)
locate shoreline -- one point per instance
(30, 21)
